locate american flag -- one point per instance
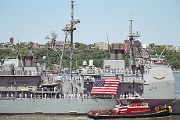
(107, 86)
(125, 47)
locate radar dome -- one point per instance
(90, 62)
(144, 46)
(84, 63)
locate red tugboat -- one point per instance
(135, 108)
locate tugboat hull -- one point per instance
(103, 114)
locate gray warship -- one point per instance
(27, 88)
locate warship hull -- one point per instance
(54, 106)
(71, 106)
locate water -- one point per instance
(83, 117)
(44, 117)
(177, 84)
(69, 117)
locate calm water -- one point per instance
(68, 117)
(83, 117)
(177, 84)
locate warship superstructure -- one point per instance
(26, 86)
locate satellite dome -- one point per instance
(84, 63)
(144, 46)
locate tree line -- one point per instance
(82, 53)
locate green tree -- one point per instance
(151, 45)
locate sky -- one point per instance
(157, 21)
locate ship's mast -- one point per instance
(130, 40)
(69, 29)
(72, 29)
(132, 37)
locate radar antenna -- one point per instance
(69, 29)
(132, 37)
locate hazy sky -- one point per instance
(158, 21)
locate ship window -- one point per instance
(107, 66)
(146, 84)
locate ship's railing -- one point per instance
(130, 95)
(25, 93)
(128, 79)
(103, 97)
(139, 104)
(54, 96)
(18, 96)
(20, 88)
(124, 72)
(19, 73)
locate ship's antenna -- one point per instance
(130, 40)
(130, 27)
(132, 37)
(70, 29)
(73, 22)
(108, 55)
